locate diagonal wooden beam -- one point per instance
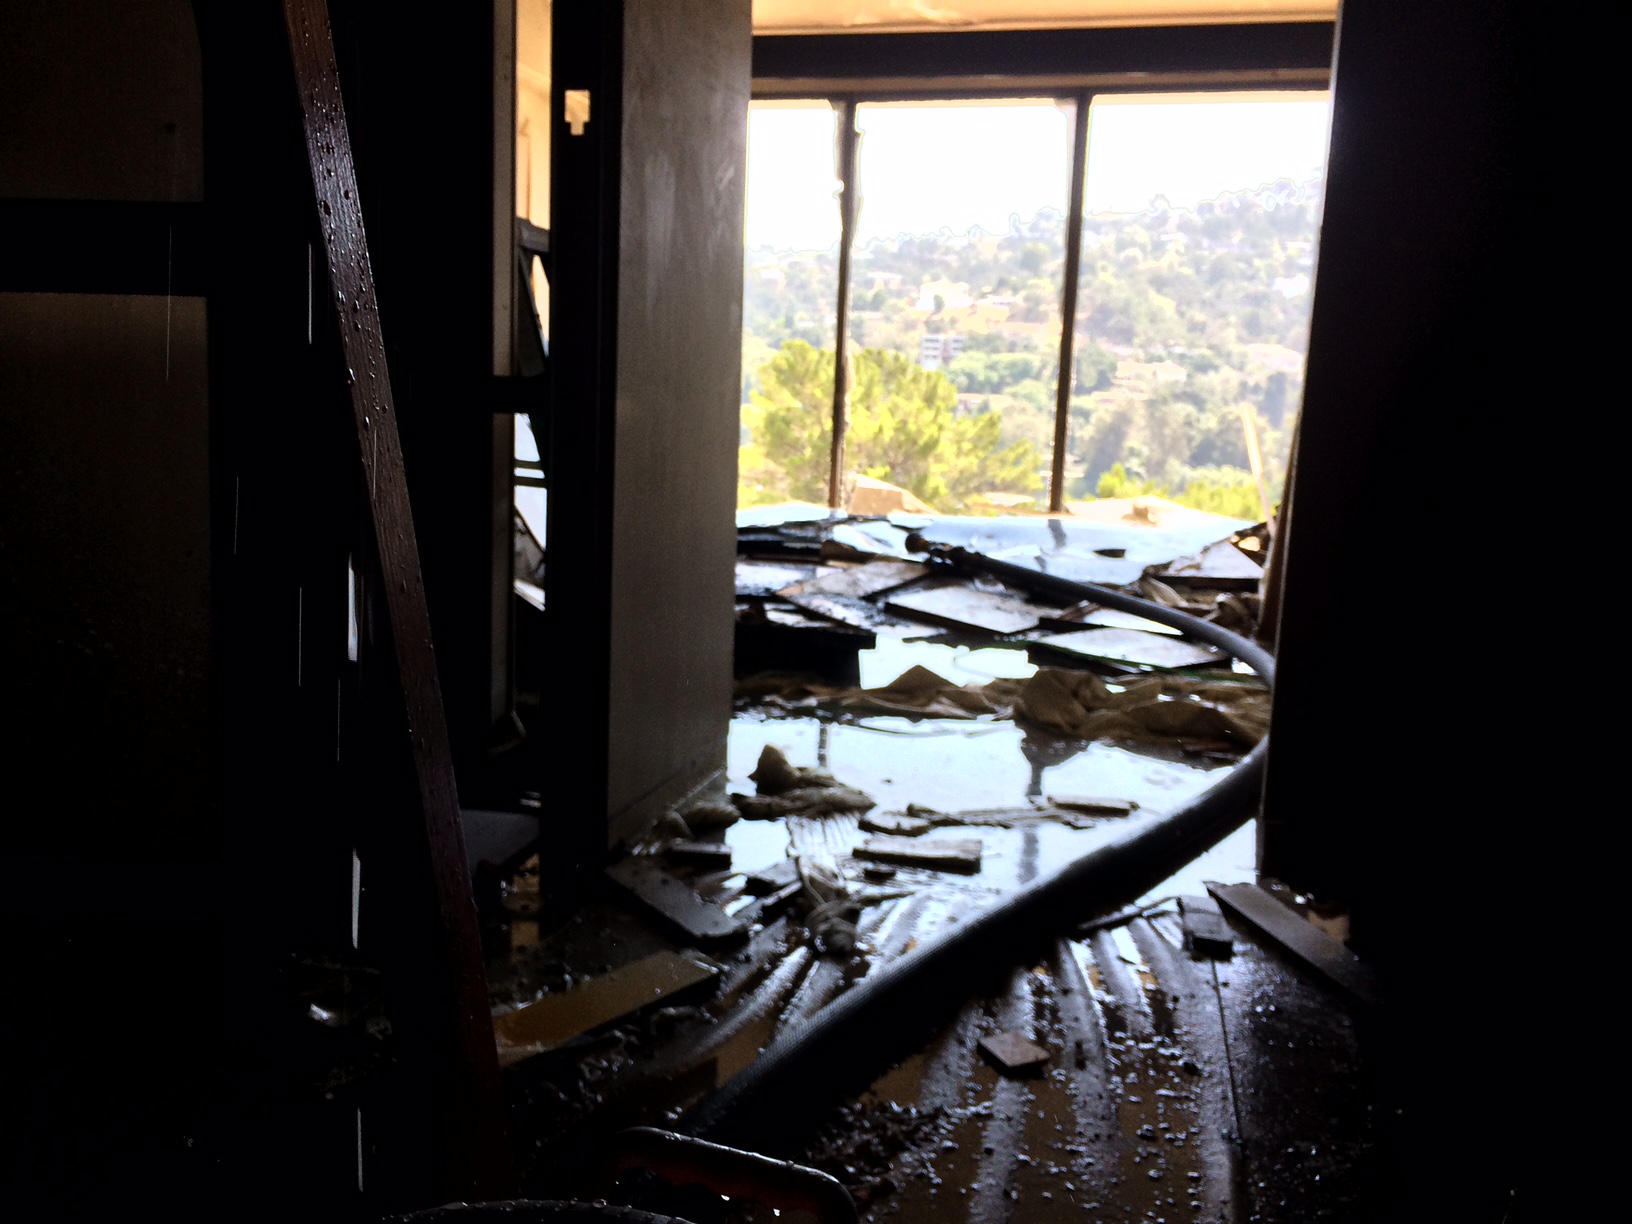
(475, 1145)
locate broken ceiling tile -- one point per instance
(1133, 647)
(858, 581)
(1220, 567)
(895, 823)
(968, 607)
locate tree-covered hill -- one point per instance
(1184, 316)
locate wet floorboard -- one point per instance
(1176, 1088)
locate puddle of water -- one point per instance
(955, 765)
(755, 844)
(1232, 861)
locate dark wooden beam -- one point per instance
(474, 1144)
(1240, 56)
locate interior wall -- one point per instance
(105, 569)
(1404, 754)
(686, 76)
(104, 437)
(100, 100)
(107, 632)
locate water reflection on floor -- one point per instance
(956, 765)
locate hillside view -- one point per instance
(1184, 317)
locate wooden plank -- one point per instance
(1205, 931)
(859, 581)
(674, 901)
(473, 1114)
(1092, 805)
(961, 854)
(967, 607)
(1301, 939)
(542, 1025)
(1133, 647)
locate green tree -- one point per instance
(903, 429)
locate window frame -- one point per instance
(1076, 66)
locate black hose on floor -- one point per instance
(852, 1039)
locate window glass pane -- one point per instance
(955, 308)
(1201, 217)
(790, 298)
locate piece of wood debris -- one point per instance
(1205, 931)
(967, 607)
(1093, 806)
(858, 581)
(767, 880)
(895, 823)
(711, 856)
(1301, 939)
(1014, 1054)
(546, 1023)
(674, 901)
(1133, 647)
(961, 854)
(878, 873)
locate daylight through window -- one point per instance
(1199, 221)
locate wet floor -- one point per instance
(961, 765)
(1175, 1088)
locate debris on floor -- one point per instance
(1013, 1054)
(813, 590)
(1205, 931)
(673, 901)
(941, 854)
(907, 748)
(1085, 706)
(1093, 806)
(1301, 939)
(788, 791)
